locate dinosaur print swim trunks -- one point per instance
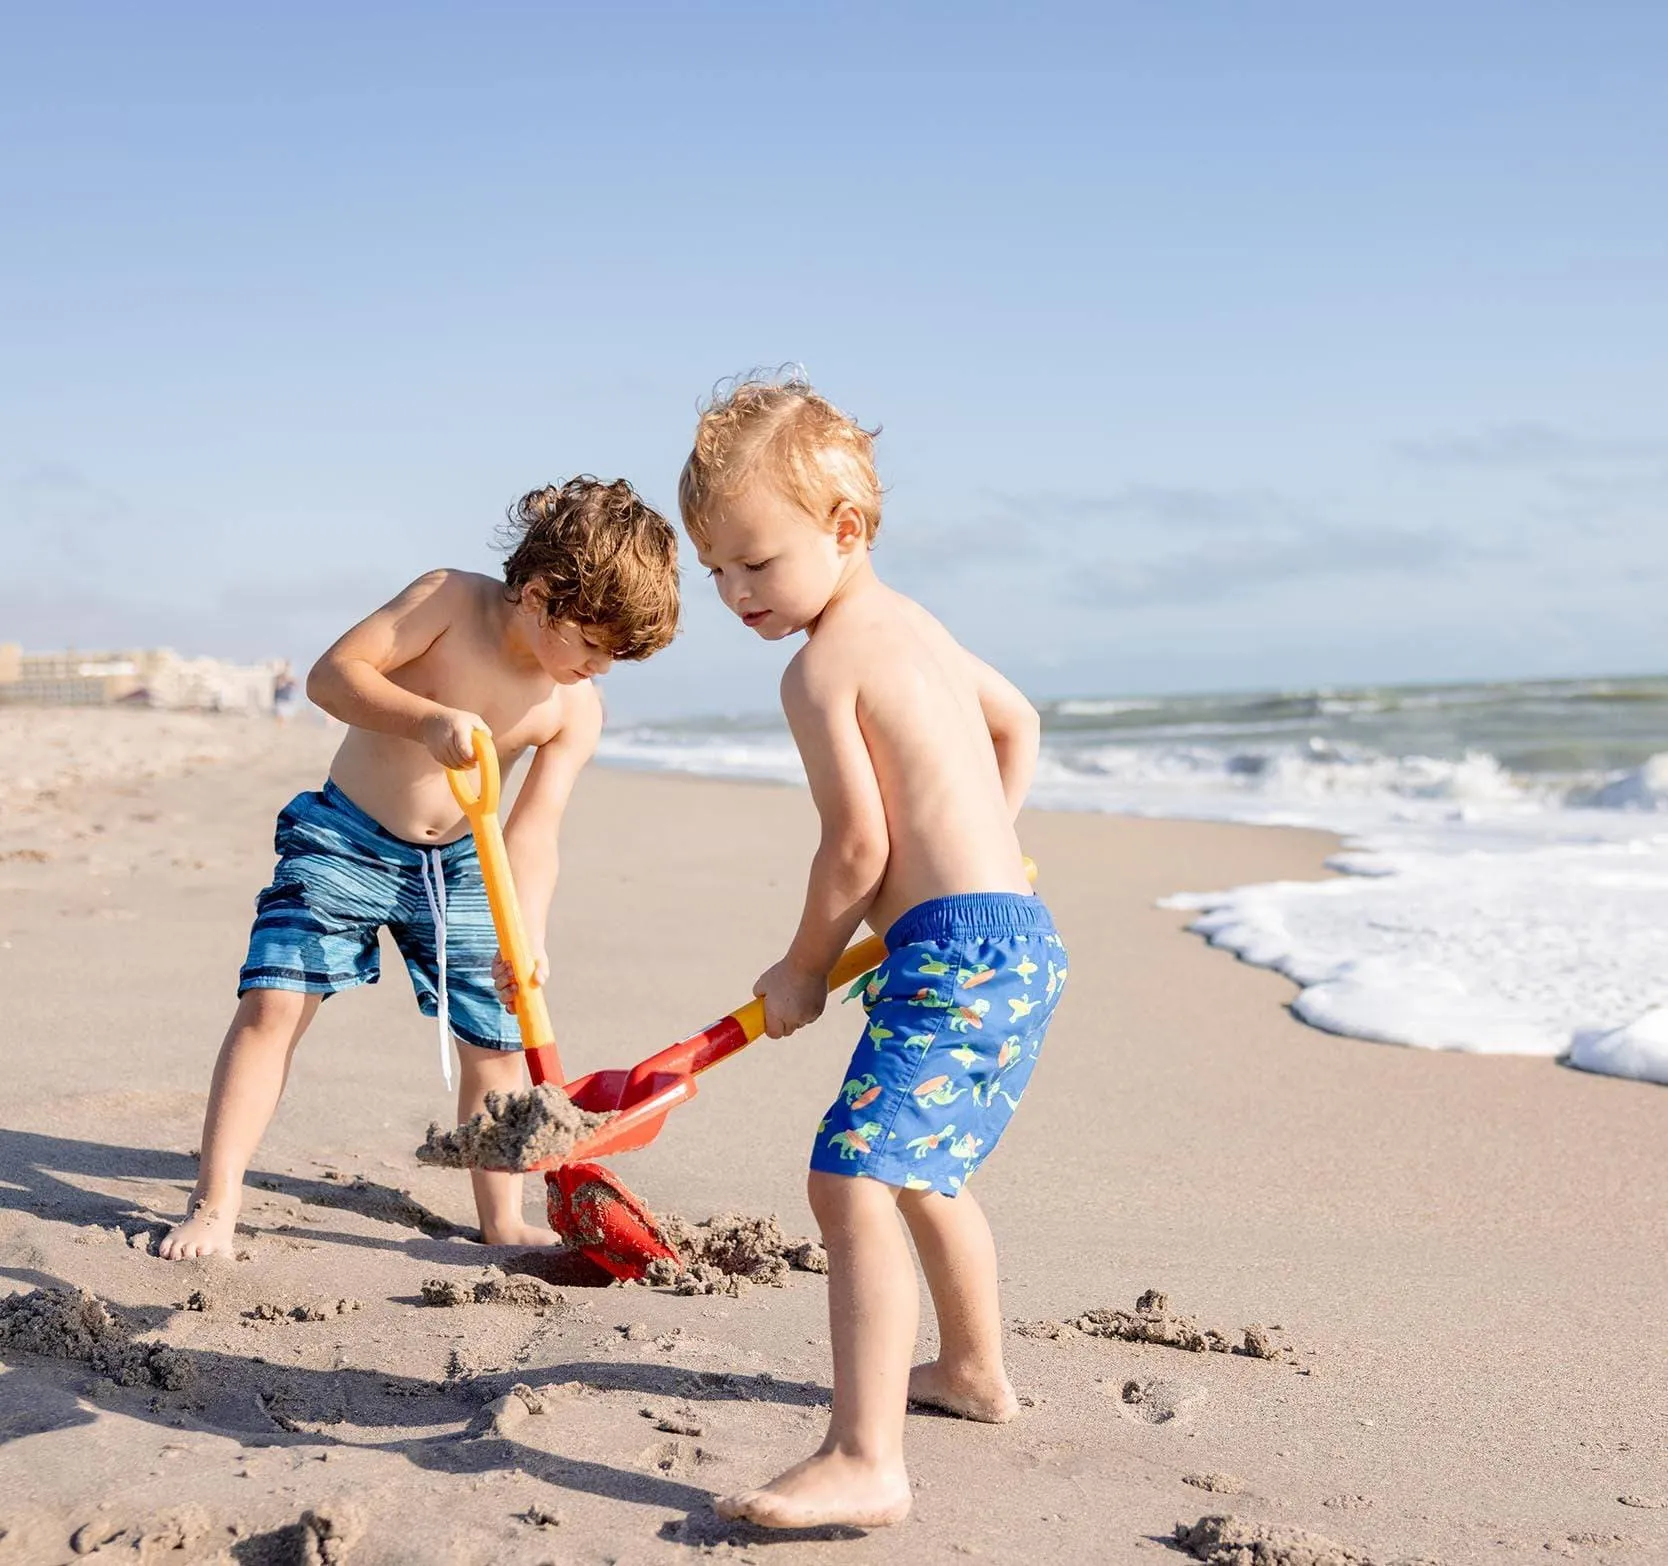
(957, 1014)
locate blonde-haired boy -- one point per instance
(918, 756)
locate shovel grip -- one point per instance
(480, 805)
(857, 960)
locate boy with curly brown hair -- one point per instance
(591, 578)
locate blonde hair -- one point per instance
(772, 426)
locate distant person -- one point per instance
(591, 578)
(286, 694)
(918, 757)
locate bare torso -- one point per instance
(947, 819)
(396, 781)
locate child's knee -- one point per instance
(275, 1014)
(838, 1199)
(488, 1070)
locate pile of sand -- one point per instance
(1152, 1321)
(495, 1287)
(730, 1252)
(73, 1324)
(514, 1131)
(1232, 1541)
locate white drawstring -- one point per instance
(437, 911)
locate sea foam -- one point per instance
(1503, 884)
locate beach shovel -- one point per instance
(593, 1211)
(596, 1211)
(585, 1204)
(480, 807)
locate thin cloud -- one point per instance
(1163, 505)
(1247, 565)
(1528, 446)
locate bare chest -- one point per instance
(458, 671)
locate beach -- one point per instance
(1458, 1261)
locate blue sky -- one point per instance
(1215, 346)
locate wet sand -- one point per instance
(1457, 1262)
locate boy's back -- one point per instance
(883, 672)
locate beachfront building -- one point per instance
(154, 677)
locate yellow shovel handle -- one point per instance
(480, 805)
(856, 960)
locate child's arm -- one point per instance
(351, 683)
(534, 825)
(851, 859)
(1015, 731)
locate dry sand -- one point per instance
(1459, 1262)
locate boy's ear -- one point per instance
(849, 532)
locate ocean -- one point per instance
(1504, 883)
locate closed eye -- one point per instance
(757, 565)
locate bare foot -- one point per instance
(825, 1489)
(208, 1230)
(521, 1233)
(989, 1400)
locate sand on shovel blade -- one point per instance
(514, 1131)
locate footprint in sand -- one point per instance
(1159, 1402)
(677, 1459)
(1217, 1484)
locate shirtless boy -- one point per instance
(918, 757)
(591, 578)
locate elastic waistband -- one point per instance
(368, 825)
(965, 915)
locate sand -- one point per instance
(514, 1131)
(1229, 1541)
(1465, 1256)
(729, 1253)
(1152, 1321)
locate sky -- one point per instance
(1214, 346)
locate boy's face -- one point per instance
(569, 653)
(775, 566)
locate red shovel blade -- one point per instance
(596, 1214)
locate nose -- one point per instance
(733, 590)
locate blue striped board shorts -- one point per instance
(957, 1014)
(341, 877)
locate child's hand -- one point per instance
(792, 997)
(449, 736)
(503, 980)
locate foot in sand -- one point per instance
(967, 1394)
(207, 1230)
(521, 1233)
(827, 1489)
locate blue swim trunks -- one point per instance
(957, 1014)
(340, 877)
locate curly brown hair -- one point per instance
(775, 427)
(600, 556)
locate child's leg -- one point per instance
(249, 1078)
(958, 1256)
(497, 1195)
(857, 1475)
